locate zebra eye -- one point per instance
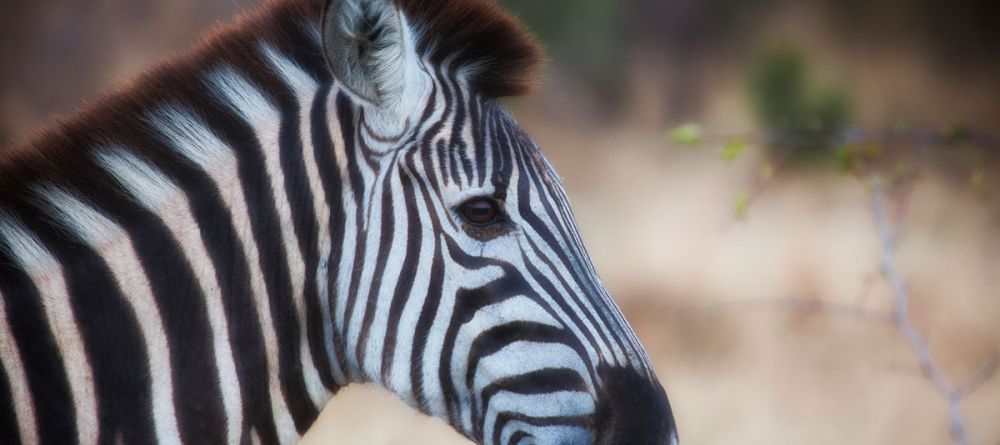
(480, 211)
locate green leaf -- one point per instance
(845, 159)
(687, 135)
(741, 206)
(732, 150)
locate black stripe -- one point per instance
(525, 182)
(503, 166)
(559, 299)
(322, 147)
(432, 299)
(542, 381)
(507, 417)
(424, 322)
(300, 198)
(569, 257)
(345, 112)
(404, 285)
(184, 312)
(386, 240)
(479, 124)
(467, 303)
(115, 347)
(46, 375)
(266, 228)
(443, 170)
(222, 243)
(333, 188)
(516, 438)
(112, 340)
(493, 340)
(461, 164)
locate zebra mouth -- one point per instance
(633, 409)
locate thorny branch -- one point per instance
(899, 316)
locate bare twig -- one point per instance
(794, 304)
(902, 188)
(901, 316)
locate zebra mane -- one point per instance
(503, 59)
(488, 46)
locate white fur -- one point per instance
(488, 318)
(305, 88)
(247, 100)
(387, 283)
(157, 193)
(563, 403)
(47, 275)
(195, 141)
(545, 435)
(511, 360)
(110, 242)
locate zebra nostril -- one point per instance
(632, 409)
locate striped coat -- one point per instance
(324, 193)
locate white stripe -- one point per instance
(388, 281)
(576, 298)
(588, 300)
(522, 357)
(247, 101)
(47, 275)
(367, 277)
(455, 276)
(546, 434)
(562, 403)
(400, 381)
(305, 90)
(513, 204)
(116, 248)
(194, 141)
(520, 308)
(154, 191)
(576, 321)
(13, 367)
(347, 260)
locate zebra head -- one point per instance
(481, 306)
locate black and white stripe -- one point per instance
(214, 261)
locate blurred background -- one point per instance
(730, 163)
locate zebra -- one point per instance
(325, 192)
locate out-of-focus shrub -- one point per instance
(798, 115)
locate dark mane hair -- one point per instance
(478, 34)
(503, 60)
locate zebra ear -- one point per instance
(365, 45)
